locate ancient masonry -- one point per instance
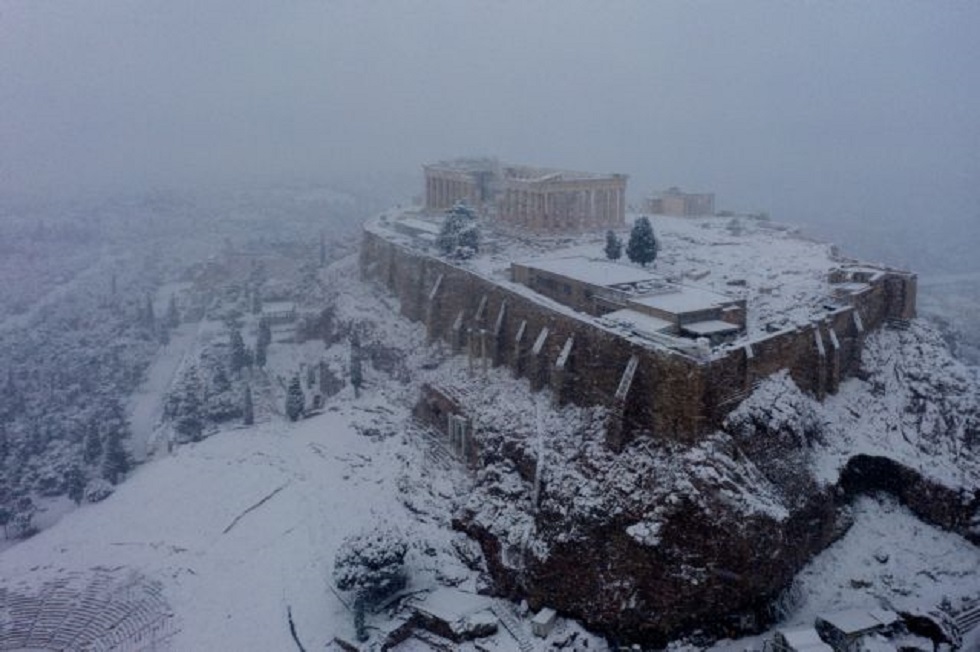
(648, 389)
(529, 198)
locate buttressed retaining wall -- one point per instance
(647, 390)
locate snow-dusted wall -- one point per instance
(670, 394)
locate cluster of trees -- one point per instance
(66, 372)
(217, 388)
(641, 248)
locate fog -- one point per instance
(832, 114)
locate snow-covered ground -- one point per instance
(214, 545)
(240, 527)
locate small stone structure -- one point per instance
(529, 198)
(441, 409)
(674, 201)
(544, 622)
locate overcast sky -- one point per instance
(866, 110)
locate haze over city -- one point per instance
(489, 325)
(816, 112)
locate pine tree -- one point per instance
(173, 315)
(262, 342)
(642, 246)
(149, 319)
(370, 563)
(356, 372)
(115, 464)
(459, 236)
(614, 246)
(238, 356)
(256, 302)
(186, 406)
(248, 411)
(75, 484)
(323, 251)
(295, 399)
(93, 443)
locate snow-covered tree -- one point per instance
(185, 405)
(75, 484)
(614, 246)
(295, 399)
(356, 371)
(238, 356)
(116, 463)
(173, 315)
(642, 245)
(262, 342)
(371, 564)
(248, 411)
(459, 236)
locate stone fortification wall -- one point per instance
(660, 392)
(657, 391)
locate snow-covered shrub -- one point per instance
(372, 563)
(98, 490)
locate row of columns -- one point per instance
(564, 209)
(441, 192)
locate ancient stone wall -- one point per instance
(656, 391)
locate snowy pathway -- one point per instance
(146, 404)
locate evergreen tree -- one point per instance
(459, 236)
(75, 484)
(295, 399)
(262, 342)
(173, 315)
(248, 411)
(256, 302)
(370, 563)
(149, 319)
(238, 355)
(93, 443)
(614, 246)
(642, 246)
(323, 251)
(116, 463)
(186, 406)
(356, 372)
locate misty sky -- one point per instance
(855, 110)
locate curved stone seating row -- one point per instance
(105, 609)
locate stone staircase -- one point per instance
(509, 620)
(969, 617)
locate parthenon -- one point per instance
(529, 198)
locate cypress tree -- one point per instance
(614, 246)
(295, 399)
(248, 411)
(642, 246)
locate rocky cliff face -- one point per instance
(664, 538)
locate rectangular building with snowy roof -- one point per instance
(641, 300)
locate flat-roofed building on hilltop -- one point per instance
(544, 200)
(635, 298)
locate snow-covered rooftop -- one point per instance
(593, 271)
(683, 299)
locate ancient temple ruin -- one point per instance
(543, 200)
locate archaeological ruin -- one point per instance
(525, 197)
(666, 360)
